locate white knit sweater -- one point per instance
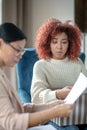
(53, 74)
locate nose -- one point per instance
(59, 46)
(20, 56)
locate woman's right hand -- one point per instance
(63, 110)
(41, 117)
(62, 93)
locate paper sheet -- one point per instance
(78, 88)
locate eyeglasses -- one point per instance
(18, 52)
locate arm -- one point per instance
(31, 107)
(45, 106)
(40, 89)
(42, 113)
(10, 116)
(41, 117)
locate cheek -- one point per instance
(66, 48)
(52, 47)
(10, 57)
(10, 62)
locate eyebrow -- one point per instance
(57, 38)
(54, 38)
(65, 39)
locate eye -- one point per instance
(64, 42)
(54, 41)
(18, 50)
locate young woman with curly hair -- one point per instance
(58, 47)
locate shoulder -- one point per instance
(41, 62)
(77, 61)
(41, 65)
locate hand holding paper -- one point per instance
(78, 88)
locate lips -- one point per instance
(59, 52)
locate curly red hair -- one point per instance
(51, 28)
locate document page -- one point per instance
(78, 88)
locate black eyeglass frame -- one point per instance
(18, 51)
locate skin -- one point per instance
(59, 46)
(39, 113)
(42, 113)
(8, 54)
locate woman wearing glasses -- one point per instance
(13, 114)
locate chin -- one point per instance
(12, 65)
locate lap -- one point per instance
(52, 126)
(43, 127)
(68, 127)
(71, 127)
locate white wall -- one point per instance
(41, 10)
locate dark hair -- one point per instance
(9, 32)
(52, 27)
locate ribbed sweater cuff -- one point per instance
(51, 97)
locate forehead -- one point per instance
(19, 43)
(62, 35)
